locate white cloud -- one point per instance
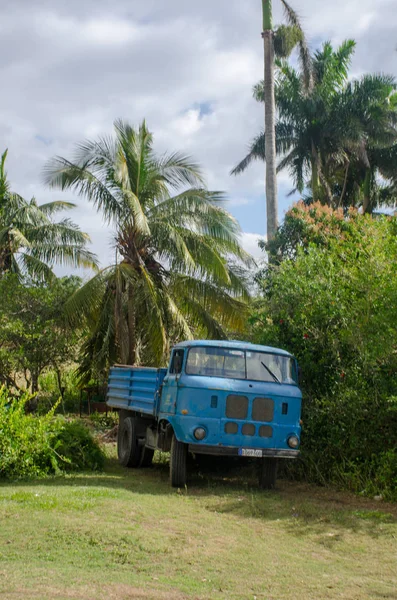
(187, 124)
(69, 69)
(250, 243)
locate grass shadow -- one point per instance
(230, 487)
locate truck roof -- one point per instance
(234, 344)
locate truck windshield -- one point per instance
(241, 364)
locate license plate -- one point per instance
(250, 452)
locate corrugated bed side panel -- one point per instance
(133, 388)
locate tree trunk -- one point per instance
(315, 181)
(35, 383)
(270, 117)
(367, 192)
(131, 327)
(61, 388)
(31, 404)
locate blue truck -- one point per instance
(216, 398)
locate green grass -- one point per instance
(126, 534)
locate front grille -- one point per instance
(265, 431)
(262, 409)
(231, 427)
(236, 407)
(248, 429)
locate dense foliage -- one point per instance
(332, 301)
(34, 333)
(36, 446)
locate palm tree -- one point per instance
(270, 111)
(286, 38)
(372, 105)
(178, 250)
(338, 134)
(31, 243)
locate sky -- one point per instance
(69, 69)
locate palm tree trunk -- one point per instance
(315, 181)
(367, 192)
(270, 117)
(315, 174)
(131, 327)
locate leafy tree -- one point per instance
(31, 242)
(174, 244)
(307, 224)
(332, 302)
(34, 333)
(340, 134)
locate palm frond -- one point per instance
(304, 53)
(63, 174)
(51, 208)
(180, 170)
(35, 268)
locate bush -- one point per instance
(349, 440)
(37, 446)
(331, 300)
(77, 447)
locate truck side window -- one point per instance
(176, 362)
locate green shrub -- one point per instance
(330, 298)
(41, 445)
(78, 449)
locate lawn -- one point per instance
(125, 534)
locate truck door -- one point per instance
(170, 383)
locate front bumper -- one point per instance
(229, 451)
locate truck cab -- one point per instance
(219, 398)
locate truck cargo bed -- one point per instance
(134, 388)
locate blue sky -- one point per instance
(70, 69)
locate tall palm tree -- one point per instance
(337, 133)
(286, 38)
(174, 274)
(270, 112)
(31, 243)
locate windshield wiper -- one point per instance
(270, 372)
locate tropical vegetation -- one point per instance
(31, 241)
(332, 301)
(35, 335)
(336, 137)
(327, 293)
(178, 267)
(38, 446)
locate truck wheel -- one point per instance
(178, 463)
(268, 473)
(128, 450)
(147, 457)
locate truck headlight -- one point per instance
(293, 441)
(199, 433)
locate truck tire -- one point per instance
(147, 457)
(128, 450)
(268, 473)
(178, 463)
